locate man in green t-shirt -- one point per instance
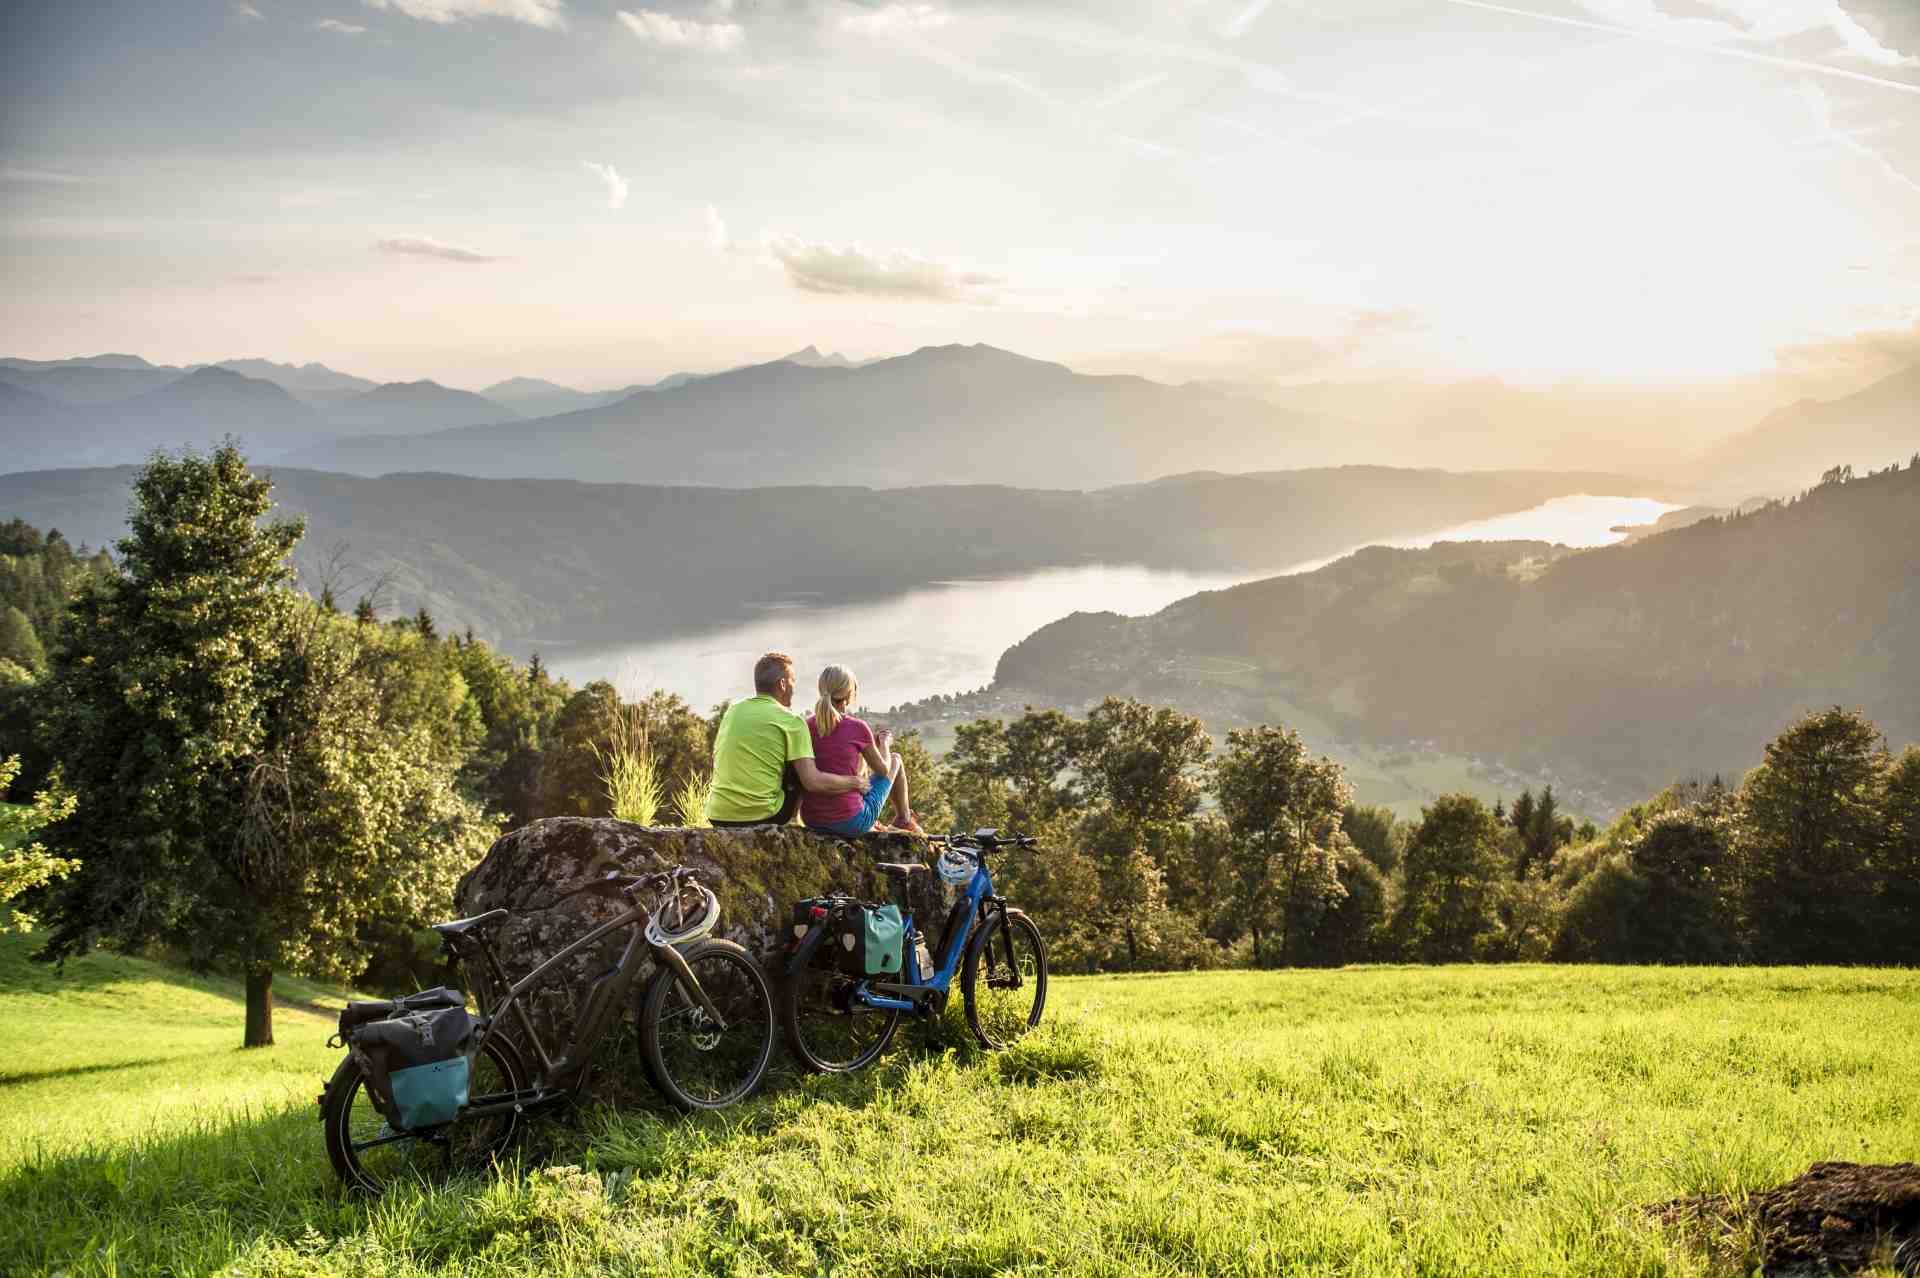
(763, 755)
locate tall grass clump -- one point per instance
(628, 769)
(690, 800)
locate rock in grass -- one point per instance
(1834, 1217)
(544, 873)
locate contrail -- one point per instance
(1744, 55)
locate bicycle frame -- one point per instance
(558, 1078)
(910, 993)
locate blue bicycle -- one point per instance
(836, 1021)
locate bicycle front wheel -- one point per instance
(368, 1154)
(695, 1062)
(829, 1030)
(1005, 979)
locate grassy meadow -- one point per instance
(1471, 1121)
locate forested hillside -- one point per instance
(514, 558)
(1620, 668)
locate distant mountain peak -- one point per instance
(528, 386)
(809, 356)
(213, 375)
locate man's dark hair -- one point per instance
(767, 670)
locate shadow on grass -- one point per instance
(38, 1075)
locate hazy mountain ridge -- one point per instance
(86, 414)
(108, 390)
(961, 414)
(967, 413)
(1622, 668)
(1870, 428)
(296, 378)
(423, 405)
(521, 560)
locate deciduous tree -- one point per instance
(1284, 807)
(1451, 864)
(1810, 826)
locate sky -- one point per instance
(606, 191)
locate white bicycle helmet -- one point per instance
(956, 866)
(695, 919)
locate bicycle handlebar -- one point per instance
(659, 881)
(984, 840)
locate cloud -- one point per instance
(1644, 21)
(682, 33)
(1821, 108)
(894, 19)
(427, 246)
(1354, 339)
(828, 268)
(1132, 88)
(716, 231)
(1241, 22)
(338, 27)
(1874, 352)
(244, 10)
(40, 175)
(616, 185)
(1860, 42)
(535, 13)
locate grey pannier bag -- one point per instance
(416, 1055)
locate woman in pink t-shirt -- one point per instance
(841, 744)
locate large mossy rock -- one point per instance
(544, 874)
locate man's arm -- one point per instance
(817, 782)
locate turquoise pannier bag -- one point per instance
(429, 1095)
(874, 939)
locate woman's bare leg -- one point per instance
(902, 810)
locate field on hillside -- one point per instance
(1470, 1121)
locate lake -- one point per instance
(947, 636)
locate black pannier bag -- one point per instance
(354, 1015)
(862, 939)
(416, 1056)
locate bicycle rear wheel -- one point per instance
(369, 1155)
(826, 1028)
(693, 1061)
(1005, 979)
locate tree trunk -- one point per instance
(259, 1006)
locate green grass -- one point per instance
(1471, 1121)
(114, 1052)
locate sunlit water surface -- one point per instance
(947, 636)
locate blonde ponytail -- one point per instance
(835, 682)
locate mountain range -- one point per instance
(109, 408)
(952, 414)
(947, 414)
(526, 560)
(1616, 670)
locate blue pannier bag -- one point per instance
(417, 1064)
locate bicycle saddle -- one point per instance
(458, 926)
(900, 869)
